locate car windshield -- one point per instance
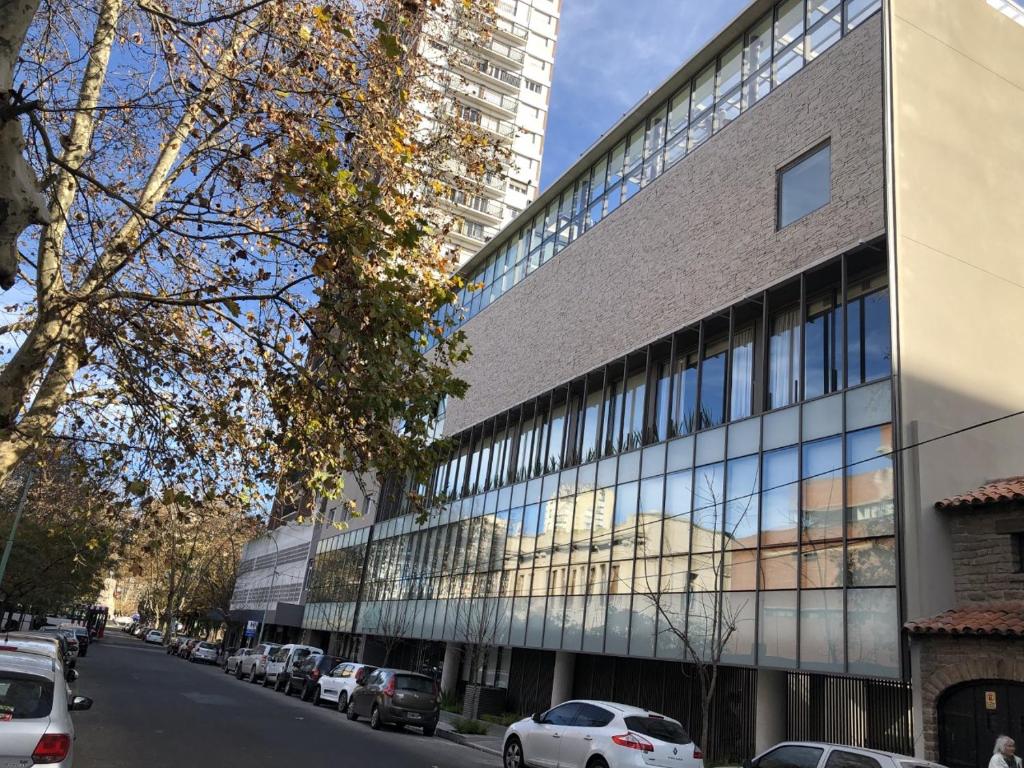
(658, 728)
(413, 683)
(24, 696)
(208, 646)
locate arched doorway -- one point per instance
(972, 715)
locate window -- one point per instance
(791, 757)
(563, 714)
(823, 334)
(712, 383)
(784, 358)
(741, 393)
(868, 353)
(658, 728)
(534, 86)
(840, 758)
(593, 717)
(805, 186)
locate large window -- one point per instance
(805, 186)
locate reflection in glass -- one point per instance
(823, 351)
(617, 625)
(821, 630)
(789, 22)
(868, 342)
(871, 563)
(873, 641)
(805, 186)
(712, 383)
(593, 635)
(708, 504)
(822, 489)
(741, 507)
(684, 394)
(625, 521)
(779, 499)
(821, 565)
(777, 630)
(641, 633)
(778, 568)
(869, 482)
(824, 35)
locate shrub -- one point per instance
(505, 718)
(470, 727)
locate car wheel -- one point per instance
(317, 698)
(266, 680)
(252, 674)
(238, 672)
(278, 686)
(428, 730)
(350, 713)
(375, 718)
(513, 754)
(597, 762)
(342, 702)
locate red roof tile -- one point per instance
(1005, 619)
(998, 491)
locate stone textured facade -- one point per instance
(702, 236)
(949, 661)
(985, 567)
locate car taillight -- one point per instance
(633, 741)
(389, 689)
(52, 748)
(697, 754)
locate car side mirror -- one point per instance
(71, 675)
(80, 703)
(535, 717)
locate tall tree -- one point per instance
(238, 260)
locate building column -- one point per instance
(450, 668)
(770, 709)
(561, 683)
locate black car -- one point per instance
(83, 639)
(303, 677)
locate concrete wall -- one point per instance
(956, 173)
(700, 237)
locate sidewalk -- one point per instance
(491, 743)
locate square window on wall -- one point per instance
(805, 185)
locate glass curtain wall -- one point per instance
(782, 520)
(774, 49)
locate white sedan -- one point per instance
(599, 734)
(338, 685)
(34, 706)
(154, 636)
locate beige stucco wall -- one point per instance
(699, 238)
(957, 70)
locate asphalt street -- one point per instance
(163, 712)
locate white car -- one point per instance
(154, 636)
(592, 734)
(338, 685)
(816, 754)
(34, 711)
(204, 652)
(280, 664)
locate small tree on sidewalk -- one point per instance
(393, 627)
(703, 622)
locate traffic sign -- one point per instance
(250, 628)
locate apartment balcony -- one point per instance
(470, 234)
(504, 54)
(476, 208)
(491, 75)
(477, 95)
(510, 29)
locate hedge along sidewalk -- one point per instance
(490, 743)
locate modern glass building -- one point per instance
(722, 370)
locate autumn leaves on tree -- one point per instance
(239, 253)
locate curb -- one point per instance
(458, 738)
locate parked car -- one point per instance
(254, 666)
(175, 642)
(281, 663)
(587, 733)
(84, 637)
(397, 697)
(231, 665)
(306, 675)
(35, 704)
(69, 641)
(154, 636)
(205, 653)
(48, 644)
(817, 754)
(342, 680)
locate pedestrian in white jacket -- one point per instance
(1003, 755)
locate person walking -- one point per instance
(1003, 755)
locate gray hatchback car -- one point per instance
(396, 697)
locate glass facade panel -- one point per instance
(825, 33)
(823, 417)
(867, 406)
(784, 358)
(874, 639)
(741, 509)
(789, 23)
(870, 506)
(708, 507)
(823, 344)
(821, 630)
(741, 391)
(822, 490)
(712, 383)
(780, 497)
(642, 627)
(684, 394)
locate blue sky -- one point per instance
(612, 52)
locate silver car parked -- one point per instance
(231, 665)
(34, 711)
(817, 754)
